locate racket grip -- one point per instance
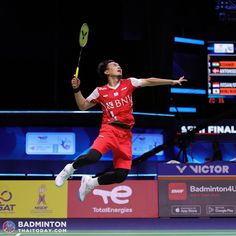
(77, 71)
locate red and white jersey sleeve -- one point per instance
(117, 103)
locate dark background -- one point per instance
(39, 48)
(39, 52)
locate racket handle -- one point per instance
(77, 71)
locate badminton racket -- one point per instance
(83, 39)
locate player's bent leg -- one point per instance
(91, 157)
(117, 176)
(64, 175)
(88, 183)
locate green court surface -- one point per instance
(131, 232)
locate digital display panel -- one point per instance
(50, 143)
(213, 142)
(221, 60)
(43, 149)
(66, 143)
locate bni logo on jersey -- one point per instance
(8, 226)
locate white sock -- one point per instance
(93, 182)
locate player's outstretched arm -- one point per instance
(152, 81)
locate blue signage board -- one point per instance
(206, 169)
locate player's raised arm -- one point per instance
(82, 103)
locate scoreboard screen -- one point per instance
(221, 72)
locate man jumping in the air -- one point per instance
(115, 133)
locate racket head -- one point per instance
(83, 35)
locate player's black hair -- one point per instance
(102, 66)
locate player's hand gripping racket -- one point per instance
(83, 39)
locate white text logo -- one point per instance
(206, 169)
(118, 195)
(181, 170)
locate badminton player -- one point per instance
(115, 133)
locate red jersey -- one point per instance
(117, 104)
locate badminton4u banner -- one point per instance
(197, 197)
(32, 199)
(130, 199)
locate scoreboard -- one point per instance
(221, 60)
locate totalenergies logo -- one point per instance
(5, 197)
(118, 195)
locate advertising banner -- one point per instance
(217, 168)
(197, 198)
(50, 143)
(32, 199)
(130, 199)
